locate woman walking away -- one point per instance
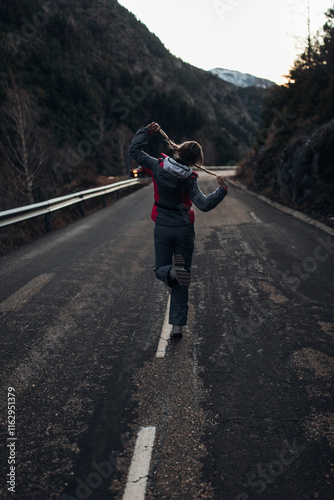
(175, 189)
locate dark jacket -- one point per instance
(175, 186)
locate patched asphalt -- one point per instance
(242, 405)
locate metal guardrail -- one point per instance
(21, 214)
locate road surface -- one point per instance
(240, 408)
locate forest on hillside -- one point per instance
(292, 159)
(56, 90)
(78, 78)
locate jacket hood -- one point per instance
(173, 176)
(173, 167)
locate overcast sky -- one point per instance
(261, 37)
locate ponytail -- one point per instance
(190, 152)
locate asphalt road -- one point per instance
(242, 405)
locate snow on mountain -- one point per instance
(241, 79)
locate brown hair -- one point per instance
(189, 152)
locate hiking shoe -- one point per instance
(176, 332)
(178, 271)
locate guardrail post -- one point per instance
(82, 209)
(104, 201)
(47, 223)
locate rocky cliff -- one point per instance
(292, 159)
(300, 173)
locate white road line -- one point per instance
(137, 478)
(255, 217)
(282, 208)
(17, 300)
(165, 334)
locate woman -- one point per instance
(175, 189)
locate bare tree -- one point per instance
(20, 142)
(302, 8)
(307, 10)
(309, 40)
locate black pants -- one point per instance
(168, 241)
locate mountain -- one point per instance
(79, 78)
(241, 79)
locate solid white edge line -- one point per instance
(287, 210)
(137, 478)
(165, 334)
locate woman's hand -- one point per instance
(153, 127)
(221, 181)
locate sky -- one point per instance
(260, 37)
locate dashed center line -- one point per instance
(137, 478)
(255, 217)
(165, 334)
(135, 488)
(17, 300)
